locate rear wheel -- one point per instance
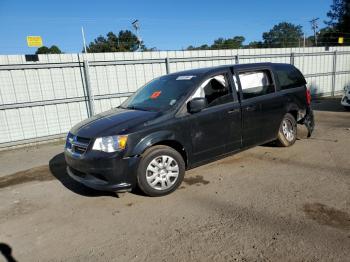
(287, 134)
(161, 171)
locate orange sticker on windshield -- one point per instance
(155, 94)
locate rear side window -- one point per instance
(289, 77)
(256, 83)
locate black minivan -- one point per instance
(186, 119)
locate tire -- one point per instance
(161, 171)
(287, 134)
(347, 108)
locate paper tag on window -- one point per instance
(185, 77)
(155, 94)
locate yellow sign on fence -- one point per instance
(341, 40)
(34, 41)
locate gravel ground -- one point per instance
(264, 204)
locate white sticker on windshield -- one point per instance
(185, 77)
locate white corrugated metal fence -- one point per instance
(44, 99)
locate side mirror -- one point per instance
(196, 105)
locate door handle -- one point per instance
(250, 108)
(233, 111)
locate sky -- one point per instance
(166, 25)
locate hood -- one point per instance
(112, 122)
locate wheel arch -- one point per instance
(293, 109)
(176, 146)
(294, 113)
(166, 138)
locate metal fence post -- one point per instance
(167, 65)
(292, 56)
(334, 71)
(88, 88)
(237, 59)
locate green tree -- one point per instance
(256, 44)
(46, 50)
(339, 22)
(229, 43)
(55, 50)
(125, 41)
(222, 43)
(339, 15)
(327, 36)
(283, 35)
(202, 47)
(310, 41)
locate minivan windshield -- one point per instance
(160, 94)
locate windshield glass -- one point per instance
(161, 93)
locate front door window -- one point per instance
(216, 90)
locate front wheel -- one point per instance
(287, 134)
(161, 171)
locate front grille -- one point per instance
(83, 140)
(79, 149)
(76, 144)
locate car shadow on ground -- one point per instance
(331, 104)
(6, 251)
(58, 169)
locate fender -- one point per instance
(304, 116)
(152, 139)
(291, 107)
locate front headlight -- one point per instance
(110, 144)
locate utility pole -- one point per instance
(90, 95)
(304, 40)
(84, 42)
(136, 26)
(314, 27)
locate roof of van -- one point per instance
(202, 72)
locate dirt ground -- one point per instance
(264, 204)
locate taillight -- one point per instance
(308, 96)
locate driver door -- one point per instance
(216, 129)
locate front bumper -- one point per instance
(103, 171)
